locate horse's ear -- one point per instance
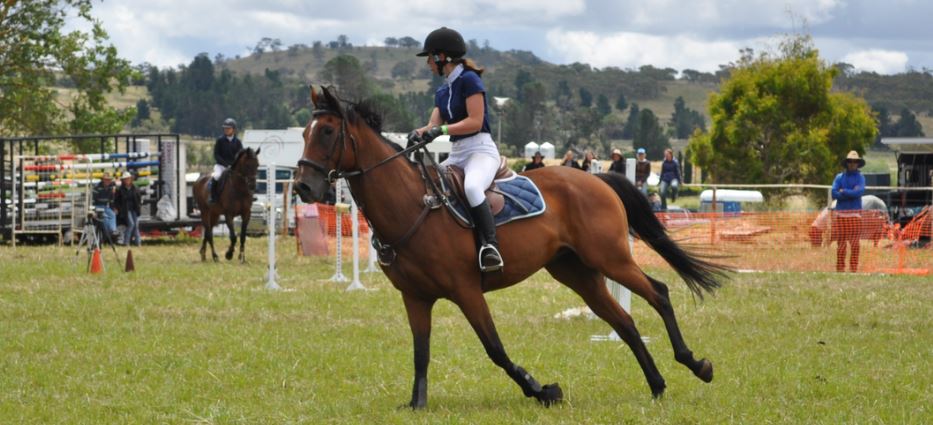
(331, 100)
(257, 151)
(315, 98)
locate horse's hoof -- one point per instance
(229, 255)
(414, 405)
(657, 390)
(705, 373)
(216, 259)
(550, 394)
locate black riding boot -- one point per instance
(212, 187)
(489, 258)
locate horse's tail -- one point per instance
(699, 274)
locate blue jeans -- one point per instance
(109, 219)
(668, 188)
(132, 230)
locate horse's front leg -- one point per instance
(245, 222)
(419, 319)
(229, 219)
(473, 305)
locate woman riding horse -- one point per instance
(460, 111)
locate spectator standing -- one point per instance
(537, 161)
(671, 176)
(568, 160)
(103, 202)
(848, 188)
(128, 202)
(618, 162)
(642, 171)
(591, 164)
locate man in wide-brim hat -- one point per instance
(848, 188)
(537, 161)
(618, 161)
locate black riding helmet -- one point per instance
(444, 40)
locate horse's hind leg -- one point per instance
(702, 368)
(590, 285)
(627, 273)
(228, 218)
(474, 307)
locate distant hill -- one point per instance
(398, 71)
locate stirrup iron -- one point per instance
(491, 268)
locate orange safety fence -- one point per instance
(328, 216)
(802, 241)
(766, 241)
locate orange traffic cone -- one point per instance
(97, 264)
(130, 267)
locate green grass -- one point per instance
(183, 342)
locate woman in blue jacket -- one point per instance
(848, 188)
(460, 111)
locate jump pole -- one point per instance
(338, 198)
(270, 222)
(355, 285)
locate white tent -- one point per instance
(530, 149)
(547, 150)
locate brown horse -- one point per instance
(581, 237)
(236, 199)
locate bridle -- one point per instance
(386, 251)
(332, 174)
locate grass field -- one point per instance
(183, 342)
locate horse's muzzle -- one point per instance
(310, 189)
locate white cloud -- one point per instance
(704, 15)
(880, 61)
(631, 50)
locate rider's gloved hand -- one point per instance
(432, 133)
(413, 138)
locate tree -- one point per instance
(602, 105)
(142, 112)
(317, 50)
(685, 120)
(650, 136)
(403, 69)
(391, 42)
(621, 103)
(777, 120)
(521, 78)
(345, 72)
(631, 124)
(35, 48)
(408, 42)
(907, 125)
(586, 98)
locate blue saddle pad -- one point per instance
(522, 200)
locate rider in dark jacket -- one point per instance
(225, 150)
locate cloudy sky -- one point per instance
(883, 36)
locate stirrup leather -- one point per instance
(491, 268)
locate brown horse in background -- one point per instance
(579, 239)
(236, 199)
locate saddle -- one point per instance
(496, 201)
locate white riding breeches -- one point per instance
(478, 155)
(218, 171)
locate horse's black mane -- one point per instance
(366, 111)
(244, 151)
